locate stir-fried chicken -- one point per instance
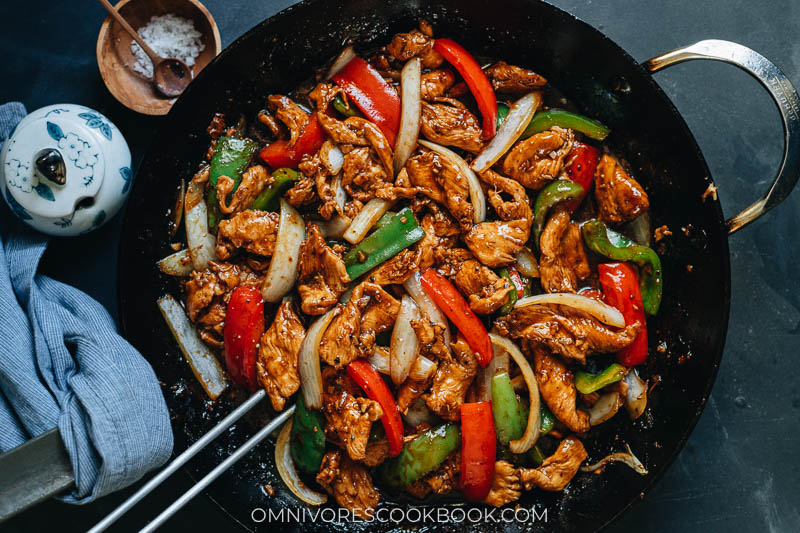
(450, 260)
(377, 452)
(456, 194)
(497, 243)
(252, 231)
(415, 43)
(277, 356)
(539, 159)
(349, 418)
(565, 330)
(351, 334)
(302, 193)
(290, 114)
(436, 83)
(557, 387)
(396, 270)
(620, 198)
(349, 483)
(511, 79)
(563, 261)
(441, 481)
(322, 276)
(451, 126)
(254, 180)
(451, 381)
(423, 170)
(506, 487)
(207, 295)
(557, 470)
(324, 94)
(312, 168)
(487, 291)
(431, 340)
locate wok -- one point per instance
(604, 82)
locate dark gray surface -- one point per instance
(741, 466)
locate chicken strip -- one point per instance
(511, 79)
(563, 261)
(252, 231)
(619, 197)
(349, 483)
(506, 487)
(322, 277)
(277, 356)
(453, 377)
(557, 470)
(539, 159)
(557, 387)
(451, 126)
(348, 418)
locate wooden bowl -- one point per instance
(115, 59)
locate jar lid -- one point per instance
(54, 161)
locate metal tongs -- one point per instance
(190, 452)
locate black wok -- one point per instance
(596, 75)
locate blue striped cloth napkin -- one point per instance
(63, 364)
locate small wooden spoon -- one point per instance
(171, 76)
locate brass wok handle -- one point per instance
(782, 92)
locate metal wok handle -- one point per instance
(785, 97)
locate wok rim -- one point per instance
(664, 100)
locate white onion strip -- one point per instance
(625, 457)
(342, 59)
(636, 396)
(339, 193)
(476, 195)
(405, 344)
(426, 305)
(204, 365)
(518, 118)
(282, 271)
(411, 101)
(422, 368)
(365, 219)
(202, 245)
(178, 264)
(335, 227)
(526, 263)
(308, 362)
(528, 439)
(332, 157)
(418, 413)
(287, 471)
(601, 311)
(380, 360)
(605, 408)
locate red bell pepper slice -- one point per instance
(449, 300)
(378, 100)
(621, 290)
(281, 155)
(478, 450)
(376, 389)
(244, 326)
(581, 169)
(476, 80)
(516, 279)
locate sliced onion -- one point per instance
(335, 227)
(202, 245)
(331, 157)
(426, 305)
(341, 60)
(518, 118)
(526, 263)
(410, 89)
(499, 363)
(308, 362)
(339, 193)
(287, 471)
(177, 264)
(282, 271)
(405, 344)
(476, 195)
(422, 368)
(596, 308)
(528, 439)
(639, 229)
(365, 219)
(418, 413)
(204, 365)
(626, 457)
(636, 397)
(380, 359)
(605, 408)
(177, 210)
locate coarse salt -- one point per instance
(169, 36)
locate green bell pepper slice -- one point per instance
(544, 120)
(283, 178)
(341, 106)
(421, 456)
(586, 383)
(385, 219)
(231, 157)
(546, 419)
(536, 456)
(307, 438)
(509, 423)
(607, 242)
(502, 113)
(514, 294)
(396, 235)
(554, 193)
